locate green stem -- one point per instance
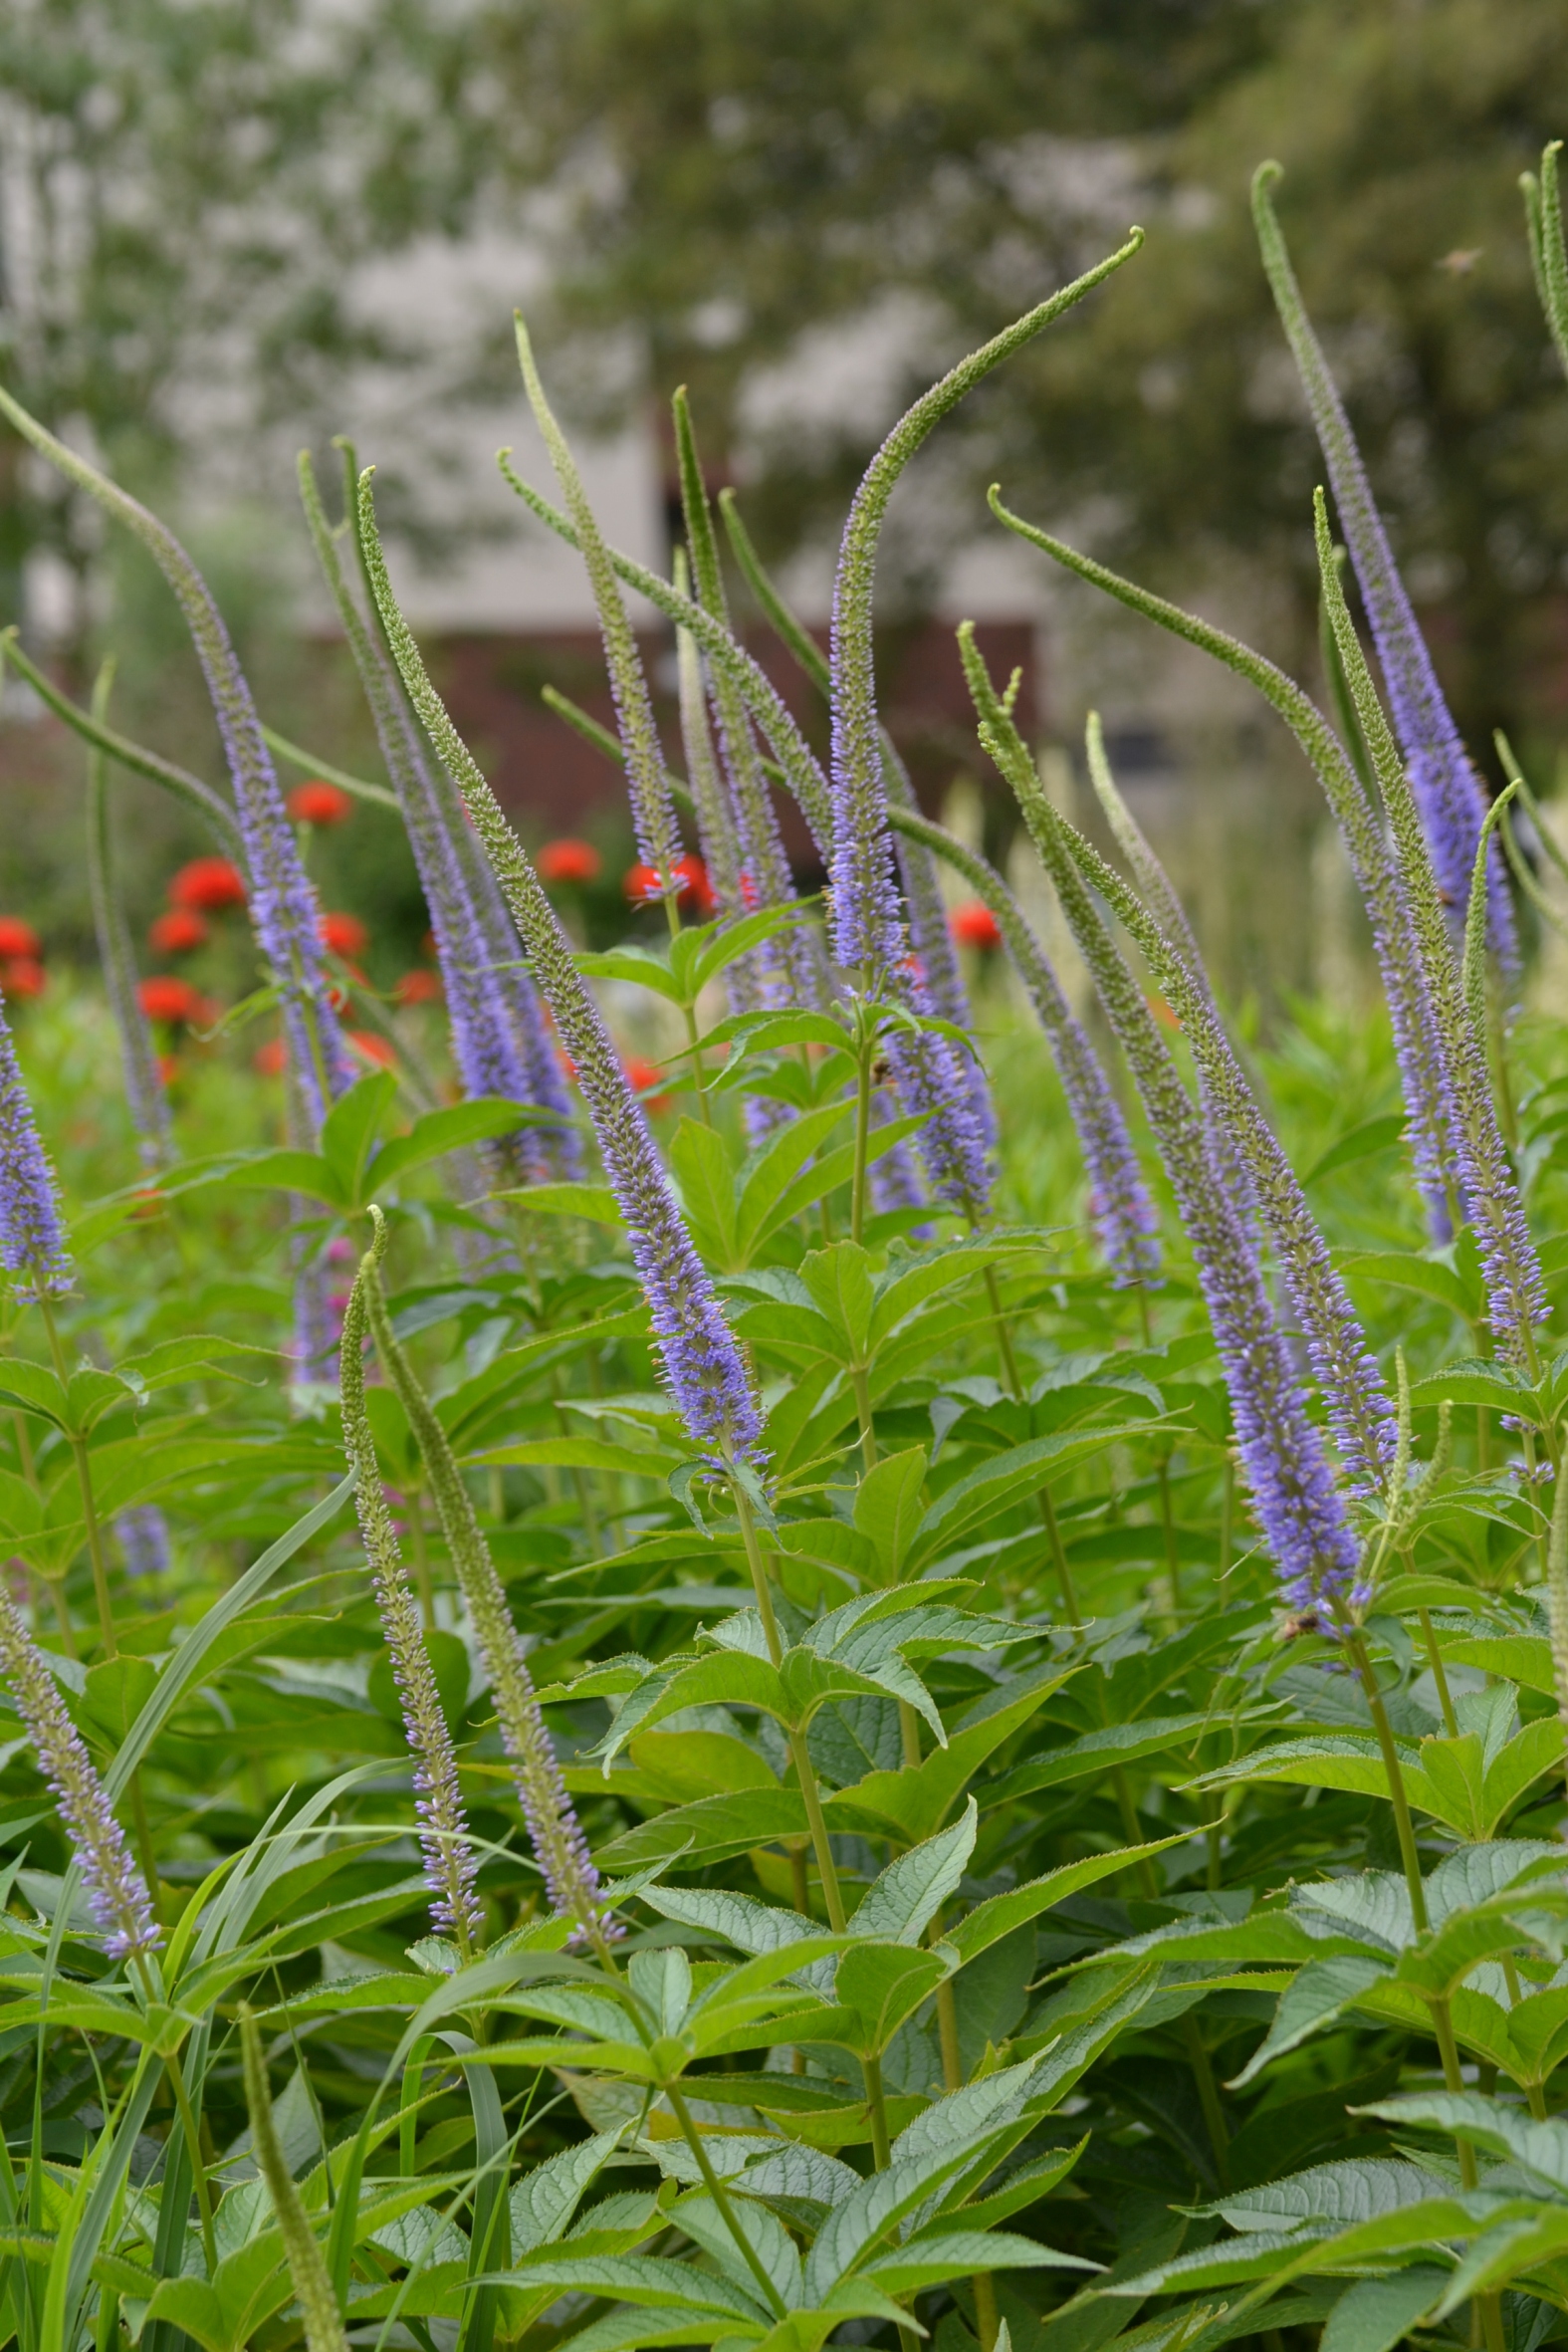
(1059, 1553)
(909, 1735)
(715, 2190)
(857, 1195)
(1005, 1347)
(876, 2100)
(421, 1550)
(1451, 1722)
(1396, 1778)
(758, 1569)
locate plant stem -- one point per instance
(1451, 1722)
(1391, 1764)
(909, 1737)
(758, 1568)
(1005, 1346)
(857, 1194)
(715, 2190)
(1069, 1598)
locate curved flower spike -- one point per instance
(145, 1092)
(866, 924)
(116, 1890)
(450, 1864)
(1515, 1291)
(700, 1359)
(1431, 1136)
(32, 1243)
(652, 810)
(283, 906)
(559, 1847)
(1543, 216)
(1449, 793)
(1301, 1513)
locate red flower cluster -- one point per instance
(974, 925)
(643, 883)
(569, 862)
(207, 885)
(419, 987)
(643, 1076)
(165, 997)
(21, 959)
(320, 803)
(178, 932)
(342, 935)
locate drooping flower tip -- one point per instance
(208, 885)
(317, 803)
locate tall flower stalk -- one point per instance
(1516, 1300)
(1433, 1143)
(1449, 793)
(283, 907)
(115, 1891)
(145, 1092)
(498, 1033)
(700, 1361)
(1300, 1513)
(451, 1867)
(559, 1847)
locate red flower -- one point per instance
(164, 997)
(177, 932)
(569, 862)
(640, 1076)
(342, 935)
(974, 925)
(270, 1059)
(419, 987)
(19, 939)
(373, 1047)
(23, 976)
(317, 803)
(208, 884)
(641, 883)
(1162, 1013)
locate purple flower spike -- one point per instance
(701, 1363)
(451, 1867)
(1448, 790)
(116, 1892)
(560, 1847)
(283, 907)
(1286, 1470)
(32, 1246)
(499, 1040)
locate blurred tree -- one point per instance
(746, 171)
(183, 187)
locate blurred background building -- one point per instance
(230, 227)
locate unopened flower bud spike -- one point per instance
(1543, 216)
(652, 812)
